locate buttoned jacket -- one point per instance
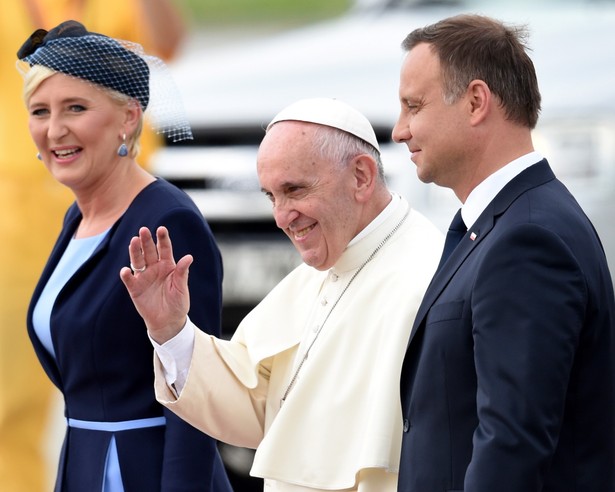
(508, 382)
(104, 357)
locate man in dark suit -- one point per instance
(508, 382)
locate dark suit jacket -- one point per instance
(508, 383)
(104, 357)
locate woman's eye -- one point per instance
(38, 112)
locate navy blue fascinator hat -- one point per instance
(71, 49)
(116, 64)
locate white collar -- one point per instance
(380, 218)
(486, 191)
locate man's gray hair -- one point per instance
(341, 147)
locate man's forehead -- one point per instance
(286, 143)
(422, 60)
(286, 136)
(420, 70)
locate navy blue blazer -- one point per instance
(104, 357)
(508, 382)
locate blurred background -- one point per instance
(241, 61)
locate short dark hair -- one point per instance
(472, 47)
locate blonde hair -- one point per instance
(37, 74)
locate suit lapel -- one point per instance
(470, 241)
(533, 176)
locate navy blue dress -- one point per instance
(103, 363)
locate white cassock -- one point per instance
(340, 426)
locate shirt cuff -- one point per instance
(176, 356)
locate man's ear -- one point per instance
(479, 101)
(365, 176)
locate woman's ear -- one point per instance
(132, 116)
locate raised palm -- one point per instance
(160, 291)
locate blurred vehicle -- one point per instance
(232, 92)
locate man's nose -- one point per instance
(401, 131)
(284, 214)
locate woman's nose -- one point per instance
(56, 128)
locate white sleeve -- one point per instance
(176, 356)
(213, 398)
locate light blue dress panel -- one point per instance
(75, 255)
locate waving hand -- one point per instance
(157, 285)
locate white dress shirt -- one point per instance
(486, 191)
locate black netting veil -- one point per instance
(116, 64)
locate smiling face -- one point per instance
(76, 128)
(434, 131)
(313, 198)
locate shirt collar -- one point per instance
(380, 218)
(486, 191)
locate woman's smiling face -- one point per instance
(76, 128)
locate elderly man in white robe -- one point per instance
(310, 378)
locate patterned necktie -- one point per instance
(455, 232)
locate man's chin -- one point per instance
(423, 176)
(314, 262)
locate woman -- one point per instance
(85, 95)
(27, 397)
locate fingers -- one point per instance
(143, 251)
(165, 247)
(183, 266)
(147, 246)
(127, 277)
(136, 250)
